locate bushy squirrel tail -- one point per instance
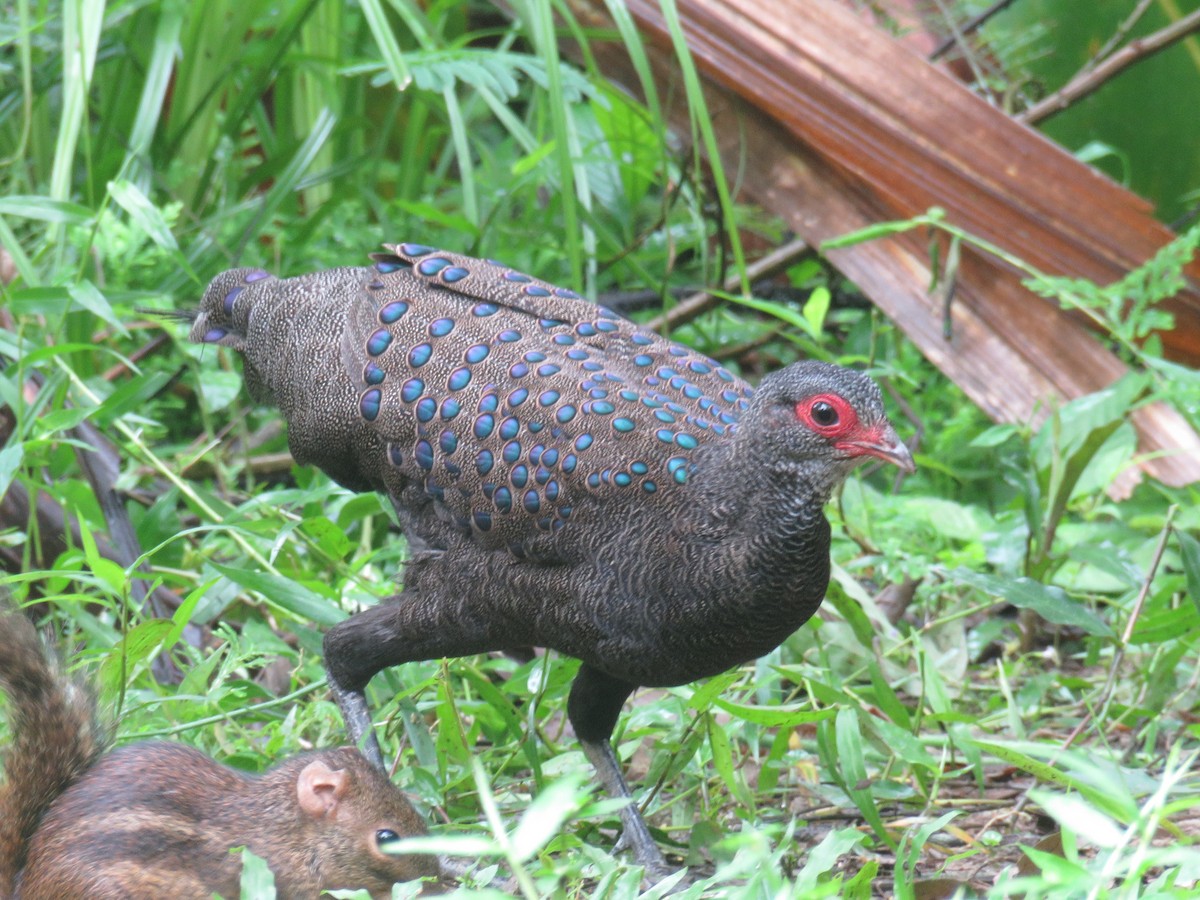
(55, 735)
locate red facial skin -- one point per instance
(834, 418)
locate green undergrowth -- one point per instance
(1039, 680)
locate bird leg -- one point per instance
(357, 716)
(595, 702)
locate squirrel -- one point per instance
(154, 819)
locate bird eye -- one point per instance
(385, 836)
(824, 414)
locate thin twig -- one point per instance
(1134, 615)
(1086, 82)
(971, 25)
(703, 301)
(1118, 36)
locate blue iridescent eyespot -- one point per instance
(432, 265)
(483, 310)
(372, 374)
(454, 273)
(419, 355)
(516, 277)
(409, 249)
(489, 402)
(484, 462)
(368, 405)
(423, 454)
(477, 354)
(548, 398)
(511, 452)
(412, 390)
(459, 379)
(622, 424)
(482, 520)
(484, 425)
(378, 342)
(391, 312)
(519, 476)
(450, 408)
(231, 297)
(583, 442)
(448, 442)
(536, 290)
(532, 501)
(517, 397)
(502, 498)
(509, 428)
(441, 327)
(426, 409)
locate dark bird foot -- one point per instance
(636, 836)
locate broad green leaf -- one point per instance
(288, 595)
(44, 209)
(1189, 552)
(816, 308)
(854, 771)
(775, 716)
(10, 462)
(135, 647)
(257, 881)
(1049, 602)
(722, 757)
(144, 214)
(553, 805)
(85, 294)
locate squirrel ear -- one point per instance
(319, 788)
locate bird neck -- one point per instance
(772, 514)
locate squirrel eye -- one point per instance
(824, 414)
(386, 836)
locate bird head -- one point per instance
(818, 421)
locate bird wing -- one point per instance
(512, 401)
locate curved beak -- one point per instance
(885, 445)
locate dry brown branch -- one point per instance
(699, 303)
(1088, 81)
